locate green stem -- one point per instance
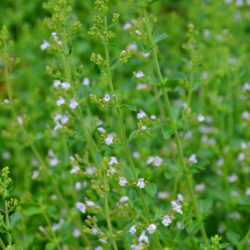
(2, 245)
(108, 219)
(7, 223)
(188, 176)
(123, 134)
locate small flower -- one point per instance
(76, 233)
(35, 174)
(86, 81)
(143, 128)
(141, 114)
(192, 159)
(143, 237)
(176, 207)
(81, 206)
(64, 119)
(155, 161)
(139, 74)
(132, 230)
(75, 170)
(106, 98)
(78, 185)
(151, 228)
(127, 26)
(109, 139)
(65, 85)
(232, 178)
(20, 120)
(60, 101)
(56, 83)
(200, 118)
(180, 198)
(113, 160)
(247, 193)
(199, 187)
(166, 221)
(122, 181)
(123, 199)
(141, 183)
(90, 170)
(101, 130)
(73, 104)
(45, 45)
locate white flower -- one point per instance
(109, 139)
(101, 130)
(132, 230)
(141, 114)
(176, 207)
(127, 26)
(90, 203)
(54, 35)
(64, 119)
(106, 97)
(141, 86)
(199, 187)
(75, 170)
(180, 197)
(53, 162)
(94, 231)
(65, 85)
(155, 161)
(139, 74)
(166, 221)
(123, 199)
(6, 155)
(113, 160)
(241, 156)
(6, 101)
(163, 195)
(122, 181)
(78, 185)
(192, 159)
(73, 104)
(45, 45)
(76, 233)
(151, 228)
(153, 117)
(35, 174)
(138, 32)
(132, 46)
(56, 83)
(232, 178)
(81, 206)
(141, 183)
(200, 118)
(99, 248)
(246, 86)
(143, 128)
(60, 101)
(247, 191)
(57, 226)
(143, 237)
(136, 155)
(86, 81)
(20, 120)
(90, 170)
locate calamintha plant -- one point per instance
(124, 125)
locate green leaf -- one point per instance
(133, 135)
(159, 37)
(51, 246)
(205, 207)
(233, 237)
(32, 210)
(14, 219)
(151, 189)
(130, 107)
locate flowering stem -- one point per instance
(186, 172)
(123, 133)
(7, 223)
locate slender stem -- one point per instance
(108, 219)
(2, 245)
(7, 223)
(186, 172)
(123, 134)
(50, 229)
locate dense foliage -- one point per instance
(125, 124)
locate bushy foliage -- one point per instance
(125, 124)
